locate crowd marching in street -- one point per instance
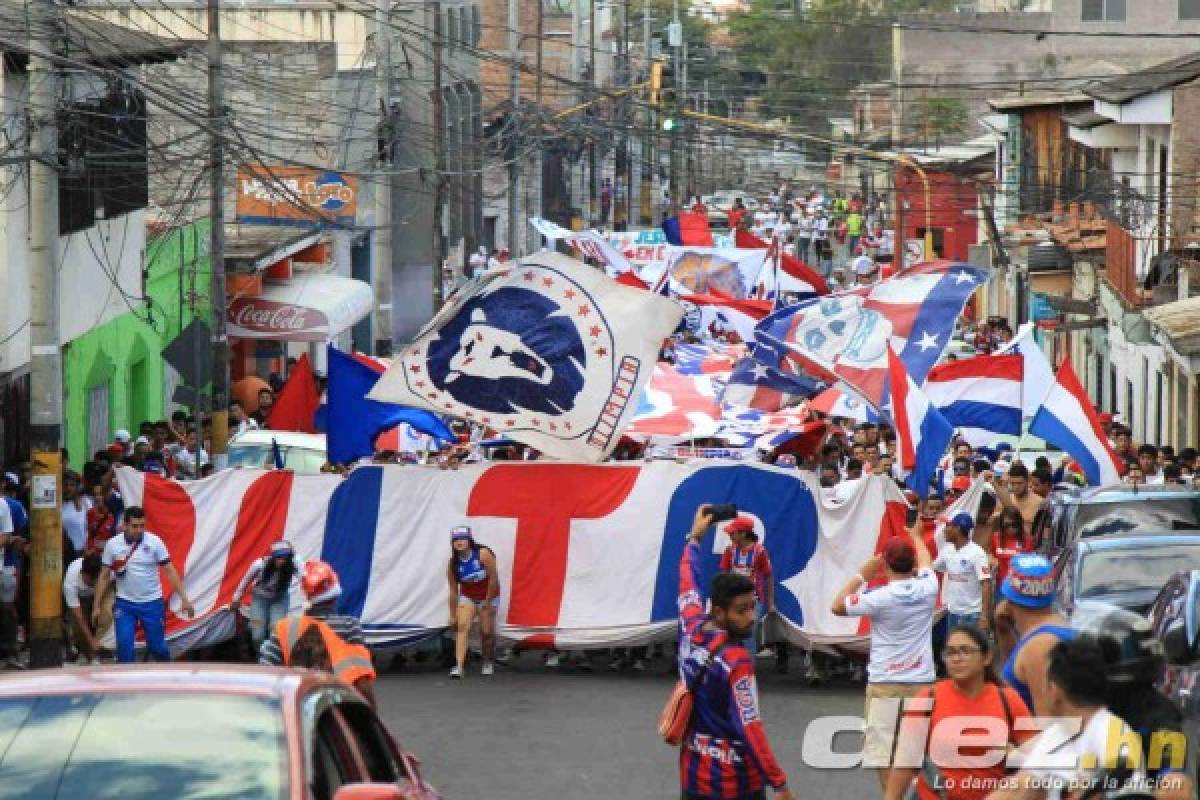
(960, 604)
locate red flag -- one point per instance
(631, 279)
(788, 263)
(297, 401)
(694, 230)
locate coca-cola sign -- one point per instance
(256, 318)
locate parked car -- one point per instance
(1121, 570)
(303, 453)
(1175, 618)
(192, 731)
(1071, 513)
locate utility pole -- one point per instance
(649, 153)
(382, 232)
(439, 157)
(514, 161)
(676, 39)
(45, 380)
(216, 249)
(592, 184)
(539, 152)
(625, 171)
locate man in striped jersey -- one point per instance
(725, 754)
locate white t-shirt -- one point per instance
(73, 585)
(190, 463)
(137, 574)
(901, 616)
(74, 522)
(965, 570)
(1053, 756)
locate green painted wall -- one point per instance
(125, 354)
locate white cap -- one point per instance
(142, 440)
(122, 436)
(12, 478)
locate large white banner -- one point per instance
(588, 554)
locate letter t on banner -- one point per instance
(544, 499)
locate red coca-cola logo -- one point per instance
(269, 317)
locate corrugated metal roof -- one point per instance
(1177, 320)
(1086, 120)
(1015, 102)
(1124, 88)
(88, 39)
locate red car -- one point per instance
(196, 731)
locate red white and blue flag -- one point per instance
(674, 406)
(707, 358)
(793, 275)
(845, 336)
(922, 433)
(588, 554)
(1067, 419)
(721, 315)
(980, 396)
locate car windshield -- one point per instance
(1141, 569)
(1141, 513)
(142, 745)
(300, 460)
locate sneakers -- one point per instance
(488, 669)
(553, 660)
(456, 672)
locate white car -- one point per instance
(303, 453)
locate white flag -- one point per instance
(548, 351)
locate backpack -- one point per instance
(676, 715)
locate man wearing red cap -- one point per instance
(745, 556)
(901, 661)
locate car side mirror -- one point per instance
(369, 791)
(1176, 645)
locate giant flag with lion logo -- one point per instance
(549, 351)
(588, 554)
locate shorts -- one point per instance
(480, 604)
(883, 714)
(8, 584)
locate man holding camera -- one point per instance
(725, 754)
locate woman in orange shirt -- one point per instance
(970, 690)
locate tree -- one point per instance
(933, 118)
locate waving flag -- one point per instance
(795, 275)
(837, 403)
(710, 358)
(354, 422)
(688, 228)
(846, 336)
(755, 385)
(1067, 419)
(547, 352)
(591, 552)
(720, 315)
(980, 396)
(1037, 374)
(590, 244)
(727, 272)
(676, 406)
(922, 433)
(297, 402)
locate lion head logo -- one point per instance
(507, 351)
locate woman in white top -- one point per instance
(74, 513)
(274, 577)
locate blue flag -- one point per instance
(353, 422)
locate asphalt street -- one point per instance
(529, 733)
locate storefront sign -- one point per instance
(259, 318)
(295, 196)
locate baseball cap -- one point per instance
(121, 436)
(282, 548)
(142, 440)
(963, 520)
(740, 524)
(899, 554)
(11, 477)
(1030, 581)
(460, 532)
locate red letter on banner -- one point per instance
(544, 500)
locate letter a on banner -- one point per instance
(549, 352)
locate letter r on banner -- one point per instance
(544, 500)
